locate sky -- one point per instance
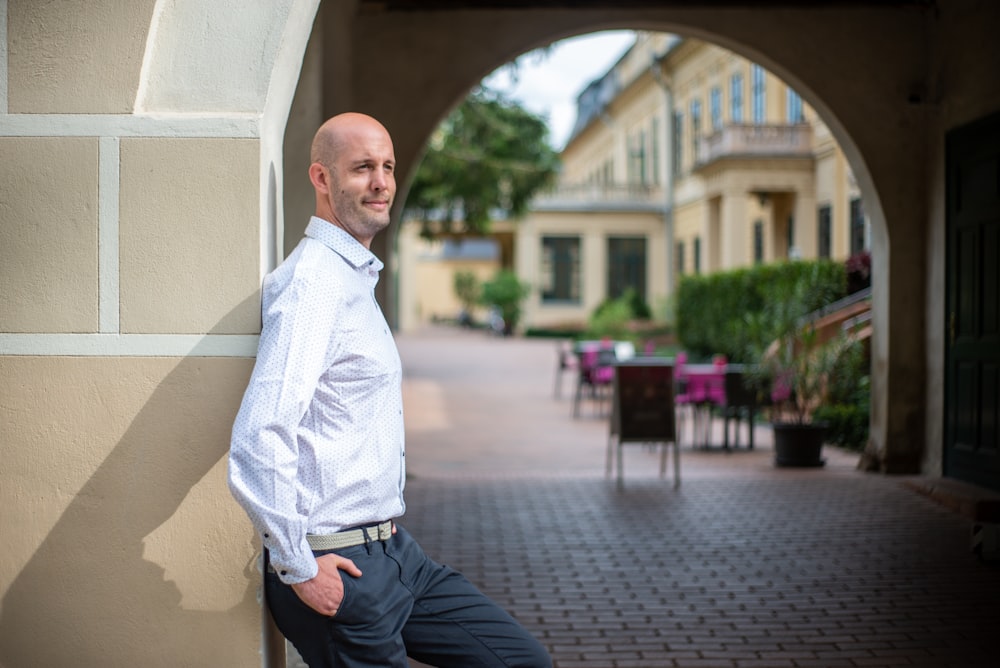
(548, 84)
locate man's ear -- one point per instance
(319, 176)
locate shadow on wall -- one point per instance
(89, 596)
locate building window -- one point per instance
(793, 107)
(824, 231)
(678, 142)
(736, 98)
(792, 252)
(715, 108)
(695, 128)
(643, 164)
(697, 255)
(758, 242)
(654, 157)
(630, 160)
(680, 257)
(857, 226)
(758, 109)
(560, 273)
(626, 266)
(636, 160)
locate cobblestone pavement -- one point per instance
(743, 565)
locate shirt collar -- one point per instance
(342, 243)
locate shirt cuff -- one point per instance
(293, 569)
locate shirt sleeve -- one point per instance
(294, 348)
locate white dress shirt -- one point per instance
(318, 443)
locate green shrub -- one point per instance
(467, 288)
(727, 312)
(847, 424)
(848, 412)
(610, 320)
(613, 317)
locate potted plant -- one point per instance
(794, 370)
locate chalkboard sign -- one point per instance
(642, 410)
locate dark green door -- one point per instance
(972, 354)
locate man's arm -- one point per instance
(298, 324)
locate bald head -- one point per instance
(337, 132)
(353, 173)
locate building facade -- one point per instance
(686, 158)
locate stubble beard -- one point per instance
(360, 222)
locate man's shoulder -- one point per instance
(311, 258)
(309, 269)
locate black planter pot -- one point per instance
(798, 445)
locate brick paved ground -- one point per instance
(744, 565)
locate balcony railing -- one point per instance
(594, 194)
(755, 141)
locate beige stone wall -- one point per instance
(123, 547)
(187, 203)
(139, 199)
(57, 52)
(49, 235)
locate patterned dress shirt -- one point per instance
(318, 443)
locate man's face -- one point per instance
(363, 183)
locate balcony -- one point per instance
(755, 141)
(600, 197)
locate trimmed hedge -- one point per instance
(715, 312)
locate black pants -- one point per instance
(403, 604)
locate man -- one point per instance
(317, 456)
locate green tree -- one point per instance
(467, 289)
(506, 292)
(489, 154)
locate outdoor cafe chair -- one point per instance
(641, 389)
(567, 361)
(594, 376)
(739, 401)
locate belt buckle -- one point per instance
(385, 527)
(379, 532)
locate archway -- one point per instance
(418, 66)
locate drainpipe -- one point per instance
(664, 82)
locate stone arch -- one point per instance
(219, 58)
(745, 34)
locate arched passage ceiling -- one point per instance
(785, 37)
(916, 66)
(431, 5)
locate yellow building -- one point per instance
(758, 177)
(686, 158)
